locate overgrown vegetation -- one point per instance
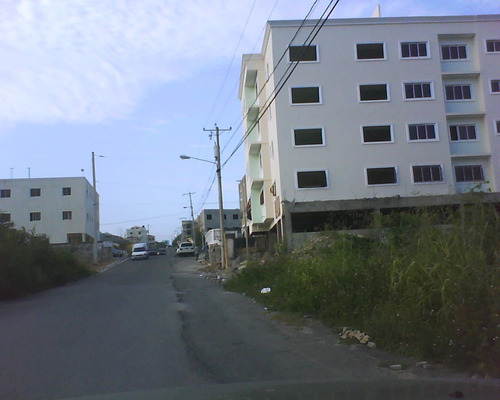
(29, 264)
(419, 288)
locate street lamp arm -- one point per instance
(184, 157)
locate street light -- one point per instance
(221, 205)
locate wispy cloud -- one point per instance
(86, 61)
(89, 60)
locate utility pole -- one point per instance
(192, 214)
(96, 233)
(96, 211)
(217, 131)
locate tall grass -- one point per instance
(29, 264)
(419, 288)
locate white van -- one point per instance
(140, 251)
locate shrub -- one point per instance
(29, 264)
(423, 289)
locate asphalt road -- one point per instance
(157, 323)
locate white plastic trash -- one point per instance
(265, 290)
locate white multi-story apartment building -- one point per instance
(60, 208)
(380, 113)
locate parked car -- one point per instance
(162, 252)
(140, 251)
(185, 248)
(153, 252)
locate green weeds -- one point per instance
(420, 288)
(29, 264)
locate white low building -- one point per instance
(380, 113)
(60, 208)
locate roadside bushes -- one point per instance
(423, 289)
(29, 264)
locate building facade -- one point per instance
(139, 234)
(60, 208)
(209, 219)
(379, 113)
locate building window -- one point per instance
(495, 86)
(377, 134)
(381, 176)
(4, 192)
(427, 173)
(225, 216)
(493, 46)
(308, 137)
(469, 173)
(453, 52)
(35, 192)
(458, 92)
(421, 132)
(262, 198)
(312, 179)
(414, 50)
(370, 51)
(35, 216)
(376, 92)
(418, 90)
(303, 53)
(67, 215)
(235, 216)
(460, 133)
(66, 191)
(306, 95)
(497, 127)
(209, 216)
(4, 217)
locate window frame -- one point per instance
(476, 131)
(325, 170)
(467, 58)
(382, 167)
(65, 191)
(431, 85)
(8, 192)
(427, 48)
(486, 46)
(384, 47)
(304, 61)
(391, 131)
(323, 143)
(70, 214)
(436, 132)
(496, 126)
(470, 85)
(35, 216)
(441, 169)
(6, 216)
(306, 104)
(388, 92)
(497, 81)
(33, 192)
(471, 166)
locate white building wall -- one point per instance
(338, 74)
(51, 204)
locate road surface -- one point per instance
(145, 325)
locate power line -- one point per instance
(240, 121)
(231, 62)
(321, 22)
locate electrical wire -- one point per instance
(231, 62)
(321, 22)
(241, 120)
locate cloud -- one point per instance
(91, 60)
(87, 61)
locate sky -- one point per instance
(136, 82)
